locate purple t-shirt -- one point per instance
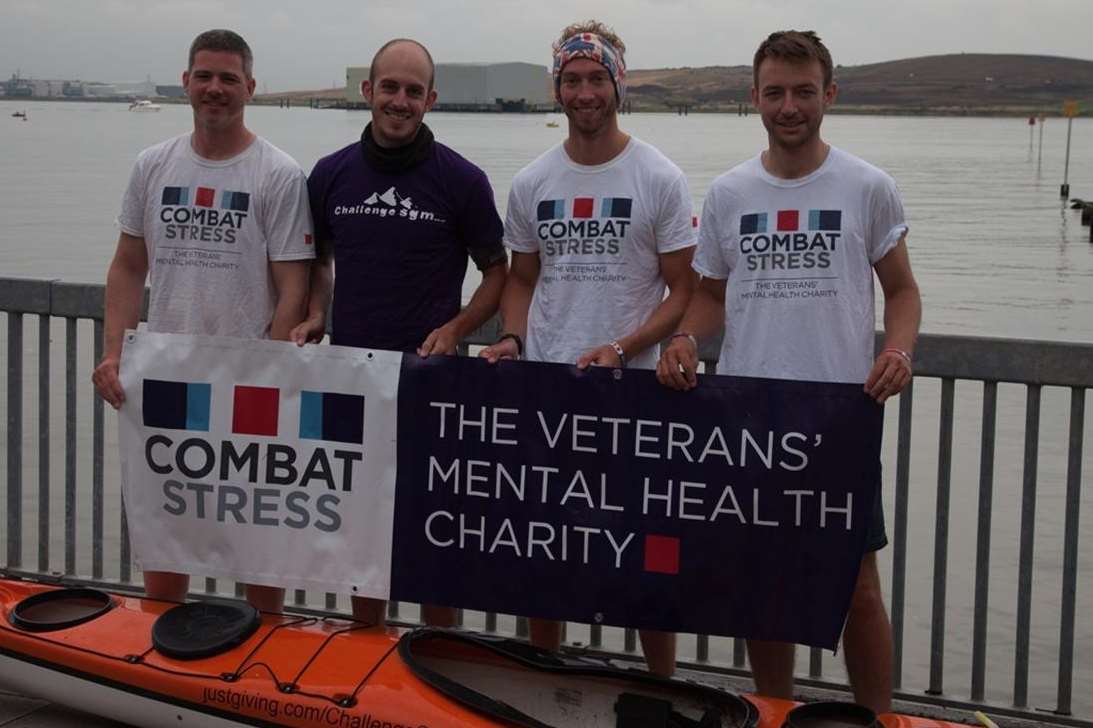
(401, 242)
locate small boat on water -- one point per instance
(20, 115)
(221, 663)
(552, 124)
(144, 105)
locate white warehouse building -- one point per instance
(476, 86)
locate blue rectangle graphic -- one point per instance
(753, 223)
(616, 207)
(311, 415)
(175, 196)
(176, 405)
(550, 210)
(198, 400)
(332, 416)
(825, 219)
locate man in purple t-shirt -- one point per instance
(398, 214)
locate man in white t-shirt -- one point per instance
(599, 226)
(788, 245)
(219, 221)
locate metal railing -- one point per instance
(939, 361)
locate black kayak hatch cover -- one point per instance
(203, 629)
(831, 714)
(59, 609)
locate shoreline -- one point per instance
(325, 103)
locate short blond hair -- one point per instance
(593, 26)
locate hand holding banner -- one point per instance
(600, 496)
(259, 460)
(738, 508)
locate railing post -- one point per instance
(1028, 527)
(15, 440)
(899, 532)
(70, 445)
(1070, 550)
(43, 441)
(941, 537)
(97, 496)
(983, 540)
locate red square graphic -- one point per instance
(255, 410)
(205, 197)
(787, 220)
(307, 239)
(583, 206)
(662, 554)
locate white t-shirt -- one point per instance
(598, 231)
(211, 229)
(798, 255)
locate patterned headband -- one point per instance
(594, 47)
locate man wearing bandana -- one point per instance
(397, 214)
(599, 226)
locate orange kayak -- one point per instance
(118, 656)
(311, 671)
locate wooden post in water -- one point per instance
(1070, 110)
(1031, 124)
(1040, 150)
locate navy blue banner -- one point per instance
(739, 508)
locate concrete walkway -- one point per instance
(17, 711)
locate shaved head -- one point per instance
(399, 41)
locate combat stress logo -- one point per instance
(389, 204)
(249, 480)
(203, 214)
(584, 226)
(791, 245)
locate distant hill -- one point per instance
(961, 83)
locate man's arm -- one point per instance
(482, 305)
(290, 284)
(320, 290)
(124, 296)
(515, 302)
(902, 316)
(675, 268)
(678, 365)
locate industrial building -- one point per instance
(476, 87)
(74, 89)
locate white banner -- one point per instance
(260, 461)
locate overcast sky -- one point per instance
(307, 44)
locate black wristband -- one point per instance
(514, 337)
(618, 352)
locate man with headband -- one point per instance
(398, 215)
(627, 210)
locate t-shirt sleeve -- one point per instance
(519, 226)
(131, 217)
(317, 185)
(288, 224)
(675, 224)
(481, 228)
(709, 257)
(887, 224)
